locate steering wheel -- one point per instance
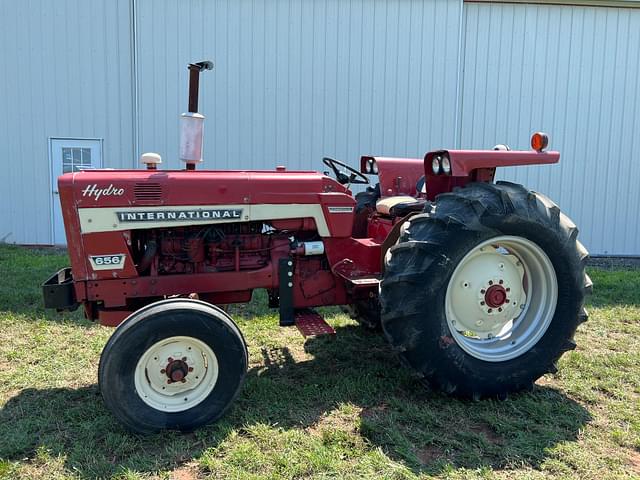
(338, 168)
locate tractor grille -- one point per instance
(148, 193)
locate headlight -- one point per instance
(369, 166)
(435, 165)
(374, 168)
(445, 163)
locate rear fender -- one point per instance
(464, 162)
(478, 166)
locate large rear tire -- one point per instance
(175, 364)
(483, 294)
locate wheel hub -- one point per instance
(496, 296)
(177, 370)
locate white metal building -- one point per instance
(96, 83)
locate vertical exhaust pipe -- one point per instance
(192, 122)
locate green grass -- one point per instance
(323, 408)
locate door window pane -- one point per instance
(86, 156)
(75, 159)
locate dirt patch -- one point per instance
(634, 461)
(486, 431)
(373, 412)
(427, 455)
(184, 473)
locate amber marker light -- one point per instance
(539, 141)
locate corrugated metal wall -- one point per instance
(299, 79)
(296, 80)
(573, 72)
(66, 72)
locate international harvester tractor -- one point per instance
(478, 286)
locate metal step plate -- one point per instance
(368, 281)
(311, 324)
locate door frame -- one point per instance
(50, 141)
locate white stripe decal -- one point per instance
(93, 220)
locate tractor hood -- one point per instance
(107, 188)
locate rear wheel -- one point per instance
(175, 364)
(483, 294)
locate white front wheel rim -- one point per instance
(176, 374)
(501, 298)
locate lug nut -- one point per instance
(482, 303)
(184, 359)
(163, 371)
(482, 291)
(490, 282)
(191, 369)
(501, 282)
(490, 310)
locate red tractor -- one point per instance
(479, 286)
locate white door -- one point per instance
(69, 155)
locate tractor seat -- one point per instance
(400, 205)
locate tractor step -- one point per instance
(311, 324)
(366, 281)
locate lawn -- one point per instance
(323, 408)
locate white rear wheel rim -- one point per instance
(186, 357)
(501, 298)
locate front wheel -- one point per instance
(175, 364)
(483, 294)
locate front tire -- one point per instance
(175, 364)
(483, 294)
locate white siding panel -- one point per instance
(66, 72)
(296, 80)
(572, 72)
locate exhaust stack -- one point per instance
(192, 122)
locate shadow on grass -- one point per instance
(426, 431)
